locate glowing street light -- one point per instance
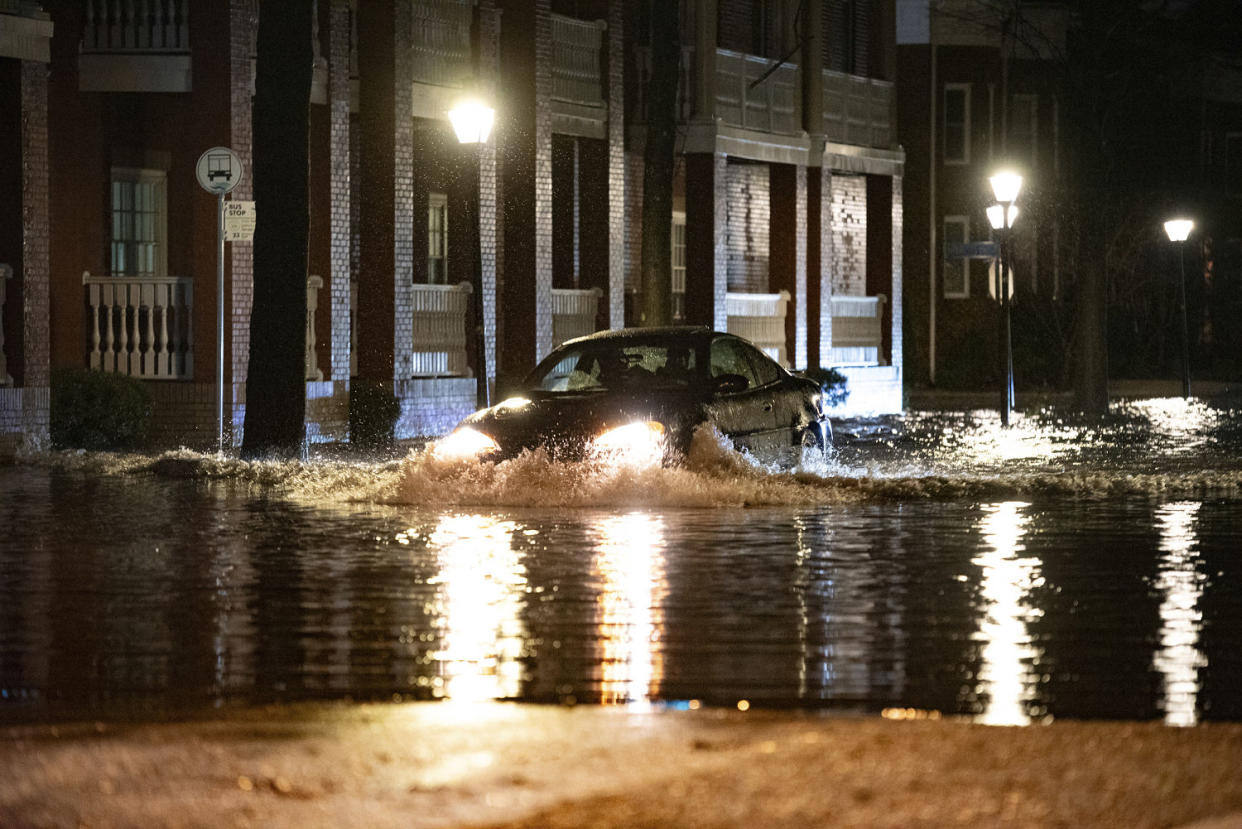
(1178, 230)
(1006, 185)
(472, 121)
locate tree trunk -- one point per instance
(276, 380)
(661, 96)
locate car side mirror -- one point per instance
(730, 384)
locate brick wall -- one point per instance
(849, 234)
(342, 183)
(490, 229)
(433, 406)
(747, 243)
(896, 299)
(616, 164)
(707, 250)
(633, 209)
(239, 278)
(36, 263)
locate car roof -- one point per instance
(664, 332)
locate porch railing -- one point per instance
(576, 65)
(440, 47)
(439, 342)
(760, 318)
(6, 273)
(125, 26)
(857, 110)
(141, 326)
(313, 284)
(768, 107)
(857, 335)
(573, 312)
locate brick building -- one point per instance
(789, 214)
(974, 95)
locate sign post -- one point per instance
(219, 170)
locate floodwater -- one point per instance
(935, 564)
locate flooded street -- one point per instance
(1059, 569)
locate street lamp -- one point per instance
(1178, 230)
(472, 122)
(1005, 186)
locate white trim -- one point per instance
(964, 88)
(945, 262)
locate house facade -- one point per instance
(433, 264)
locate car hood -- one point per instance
(569, 420)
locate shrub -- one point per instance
(373, 412)
(99, 410)
(834, 384)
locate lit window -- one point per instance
(955, 270)
(957, 124)
(437, 238)
(679, 265)
(139, 222)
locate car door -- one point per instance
(786, 404)
(743, 412)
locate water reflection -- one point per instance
(1181, 586)
(629, 560)
(1006, 678)
(481, 583)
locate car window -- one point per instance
(766, 369)
(729, 357)
(608, 365)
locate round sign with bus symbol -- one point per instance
(219, 170)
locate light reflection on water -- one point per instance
(935, 562)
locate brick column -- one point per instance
(787, 251)
(707, 263)
(895, 298)
(489, 191)
(239, 270)
(880, 247)
(338, 108)
(36, 257)
(614, 295)
(526, 127)
(819, 267)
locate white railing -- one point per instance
(857, 335)
(573, 312)
(313, 284)
(760, 318)
(141, 326)
(576, 65)
(440, 46)
(768, 106)
(439, 342)
(137, 26)
(6, 273)
(857, 110)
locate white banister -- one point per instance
(313, 284)
(857, 333)
(439, 324)
(6, 273)
(161, 26)
(141, 326)
(573, 312)
(576, 65)
(760, 318)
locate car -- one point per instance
(640, 394)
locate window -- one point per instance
(957, 123)
(679, 265)
(728, 356)
(437, 238)
(766, 371)
(956, 270)
(139, 222)
(1024, 128)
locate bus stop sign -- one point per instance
(219, 170)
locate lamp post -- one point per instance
(1005, 186)
(1178, 230)
(472, 122)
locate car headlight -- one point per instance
(641, 442)
(463, 444)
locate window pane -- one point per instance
(955, 125)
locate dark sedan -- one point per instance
(640, 393)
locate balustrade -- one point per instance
(760, 318)
(767, 107)
(440, 47)
(857, 110)
(573, 312)
(6, 273)
(439, 324)
(576, 64)
(313, 284)
(857, 333)
(136, 26)
(141, 326)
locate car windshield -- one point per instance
(602, 365)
